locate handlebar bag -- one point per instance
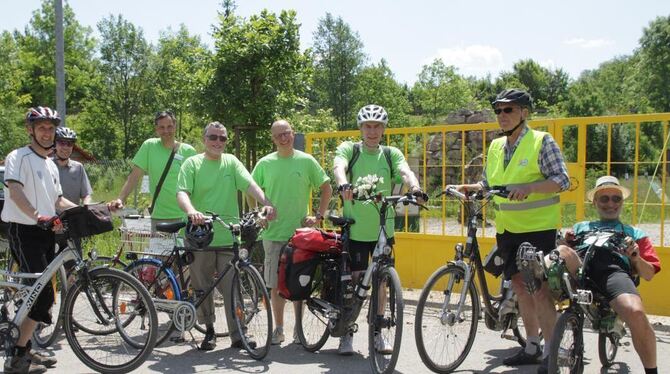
(316, 240)
(88, 220)
(296, 271)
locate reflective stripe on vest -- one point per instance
(539, 211)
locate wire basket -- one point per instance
(136, 236)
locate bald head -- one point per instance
(282, 136)
(281, 124)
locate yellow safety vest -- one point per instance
(539, 211)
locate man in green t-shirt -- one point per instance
(288, 177)
(152, 158)
(372, 160)
(209, 182)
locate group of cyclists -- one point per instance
(185, 184)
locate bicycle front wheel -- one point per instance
(446, 319)
(386, 315)
(566, 351)
(44, 334)
(252, 311)
(608, 345)
(120, 302)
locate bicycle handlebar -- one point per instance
(483, 194)
(406, 199)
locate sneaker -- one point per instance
(296, 339)
(209, 342)
(529, 263)
(278, 336)
(523, 358)
(382, 345)
(239, 345)
(39, 359)
(544, 366)
(346, 347)
(22, 364)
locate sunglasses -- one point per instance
(64, 143)
(221, 138)
(507, 110)
(604, 199)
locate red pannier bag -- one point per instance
(316, 240)
(296, 272)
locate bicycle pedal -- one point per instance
(509, 337)
(584, 297)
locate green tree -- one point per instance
(440, 90)
(376, 85)
(655, 63)
(12, 104)
(338, 58)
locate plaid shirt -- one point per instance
(550, 161)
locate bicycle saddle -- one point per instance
(341, 221)
(170, 227)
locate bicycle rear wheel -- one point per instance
(252, 311)
(44, 334)
(443, 336)
(311, 324)
(113, 298)
(385, 331)
(566, 351)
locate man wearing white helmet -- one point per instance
(354, 160)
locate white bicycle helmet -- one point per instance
(372, 113)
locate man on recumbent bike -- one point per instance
(613, 274)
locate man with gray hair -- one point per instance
(209, 182)
(288, 176)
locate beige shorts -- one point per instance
(271, 264)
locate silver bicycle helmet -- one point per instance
(372, 113)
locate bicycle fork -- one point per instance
(451, 318)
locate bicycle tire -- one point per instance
(45, 335)
(435, 327)
(608, 346)
(311, 325)
(251, 311)
(389, 328)
(106, 287)
(566, 351)
(161, 284)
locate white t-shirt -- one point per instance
(39, 177)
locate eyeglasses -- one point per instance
(64, 143)
(282, 134)
(604, 199)
(221, 138)
(507, 110)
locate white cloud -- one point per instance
(474, 59)
(588, 43)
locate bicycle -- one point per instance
(566, 351)
(177, 302)
(334, 303)
(99, 298)
(449, 306)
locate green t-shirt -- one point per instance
(212, 186)
(366, 227)
(152, 158)
(287, 182)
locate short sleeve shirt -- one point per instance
(74, 181)
(41, 185)
(152, 158)
(366, 227)
(287, 182)
(212, 186)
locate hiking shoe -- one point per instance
(209, 342)
(544, 366)
(529, 263)
(39, 359)
(22, 364)
(278, 336)
(523, 358)
(346, 347)
(382, 345)
(239, 345)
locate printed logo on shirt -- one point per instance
(523, 162)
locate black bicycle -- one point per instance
(448, 309)
(176, 302)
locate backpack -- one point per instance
(296, 272)
(357, 153)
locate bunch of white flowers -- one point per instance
(366, 186)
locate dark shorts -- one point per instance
(613, 283)
(509, 243)
(360, 253)
(33, 249)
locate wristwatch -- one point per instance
(319, 216)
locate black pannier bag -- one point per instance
(296, 272)
(88, 220)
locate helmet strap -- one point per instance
(53, 145)
(511, 131)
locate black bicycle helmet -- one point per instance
(199, 236)
(65, 133)
(522, 98)
(42, 113)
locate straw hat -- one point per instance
(608, 182)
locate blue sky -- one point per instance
(478, 37)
